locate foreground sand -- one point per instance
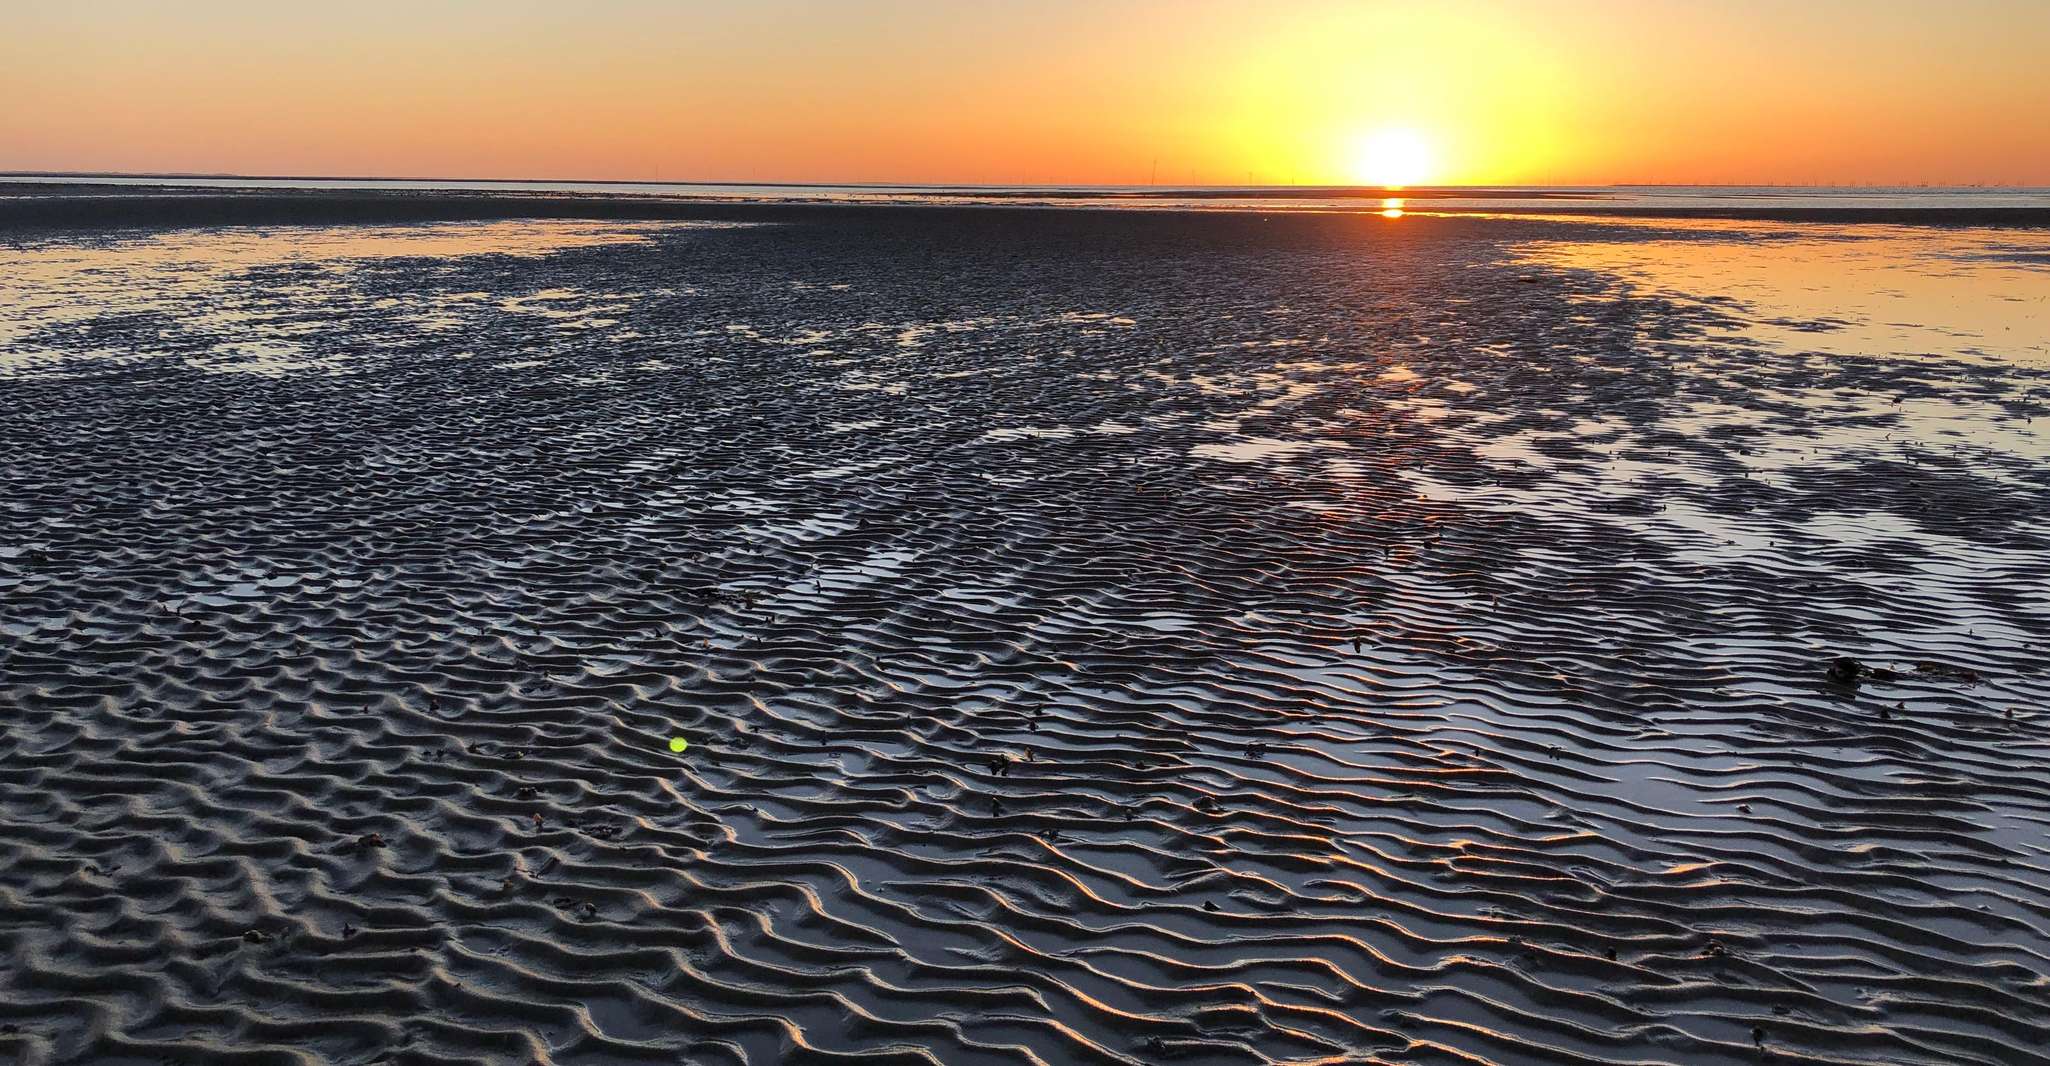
(1098, 639)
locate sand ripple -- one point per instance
(1099, 640)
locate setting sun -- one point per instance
(1393, 157)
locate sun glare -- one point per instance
(1393, 158)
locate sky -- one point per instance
(1054, 92)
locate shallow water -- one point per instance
(1967, 294)
(199, 280)
(1100, 638)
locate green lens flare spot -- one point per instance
(678, 744)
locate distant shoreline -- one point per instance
(83, 204)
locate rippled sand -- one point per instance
(1099, 638)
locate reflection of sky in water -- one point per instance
(197, 277)
(1880, 290)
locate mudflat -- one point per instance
(1092, 637)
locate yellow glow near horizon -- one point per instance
(1172, 92)
(1394, 157)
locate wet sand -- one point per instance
(1098, 638)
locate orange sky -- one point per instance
(1531, 91)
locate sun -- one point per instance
(1393, 157)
